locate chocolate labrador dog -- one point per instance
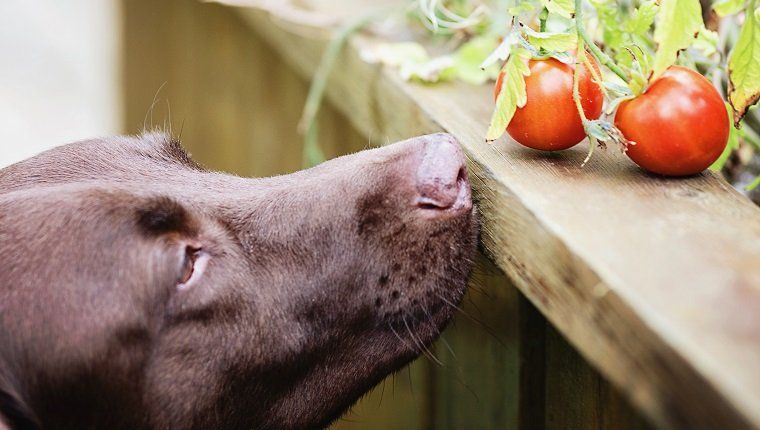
(140, 291)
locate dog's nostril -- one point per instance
(442, 175)
(462, 175)
(430, 205)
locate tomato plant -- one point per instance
(679, 124)
(625, 51)
(636, 43)
(549, 89)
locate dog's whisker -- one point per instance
(382, 393)
(446, 344)
(480, 323)
(152, 106)
(421, 344)
(402, 340)
(448, 347)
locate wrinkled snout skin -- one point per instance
(313, 286)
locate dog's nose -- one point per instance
(442, 183)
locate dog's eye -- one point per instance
(193, 266)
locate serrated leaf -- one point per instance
(565, 8)
(468, 58)
(678, 23)
(641, 18)
(551, 41)
(512, 93)
(728, 7)
(504, 49)
(744, 67)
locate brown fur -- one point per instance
(310, 275)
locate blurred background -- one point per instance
(84, 68)
(59, 74)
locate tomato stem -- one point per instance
(542, 17)
(576, 78)
(603, 58)
(579, 62)
(595, 75)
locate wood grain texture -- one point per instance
(577, 397)
(476, 387)
(532, 361)
(656, 281)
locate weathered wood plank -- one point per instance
(476, 388)
(656, 281)
(531, 411)
(577, 397)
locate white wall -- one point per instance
(59, 73)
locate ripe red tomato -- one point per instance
(549, 120)
(680, 124)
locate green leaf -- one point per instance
(512, 94)
(551, 41)
(728, 7)
(707, 42)
(731, 145)
(744, 67)
(565, 8)
(522, 7)
(641, 18)
(678, 23)
(638, 62)
(612, 32)
(436, 70)
(502, 51)
(468, 58)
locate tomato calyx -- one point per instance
(598, 130)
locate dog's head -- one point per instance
(139, 290)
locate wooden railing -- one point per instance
(656, 282)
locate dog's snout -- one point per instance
(441, 181)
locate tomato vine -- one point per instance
(634, 41)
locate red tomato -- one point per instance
(549, 120)
(680, 124)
